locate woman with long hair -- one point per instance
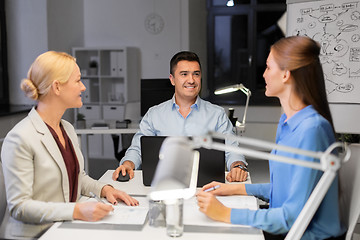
(294, 75)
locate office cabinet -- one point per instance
(114, 112)
(91, 111)
(112, 79)
(117, 63)
(109, 82)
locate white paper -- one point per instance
(123, 214)
(192, 215)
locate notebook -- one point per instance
(211, 164)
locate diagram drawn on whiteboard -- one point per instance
(336, 26)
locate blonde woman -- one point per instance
(42, 161)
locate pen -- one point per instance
(241, 167)
(212, 188)
(93, 195)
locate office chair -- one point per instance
(349, 179)
(125, 144)
(4, 213)
(3, 203)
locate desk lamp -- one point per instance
(329, 164)
(177, 170)
(230, 3)
(234, 88)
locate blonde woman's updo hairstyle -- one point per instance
(300, 56)
(46, 68)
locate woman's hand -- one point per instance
(212, 208)
(127, 166)
(111, 194)
(91, 211)
(225, 189)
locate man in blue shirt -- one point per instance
(186, 114)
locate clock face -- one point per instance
(154, 23)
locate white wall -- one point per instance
(261, 122)
(27, 38)
(346, 118)
(65, 24)
(122, 23)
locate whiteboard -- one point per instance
(335, 25)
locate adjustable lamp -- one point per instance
(230, 3)
(234, 88)
(177, 171)
(329, 164)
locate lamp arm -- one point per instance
(248, 94)
(264, 155)
(263, 144)
(206, 141)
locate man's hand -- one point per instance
(237, 174)
(127, 166)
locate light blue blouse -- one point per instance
(290, 185)
(165, 120)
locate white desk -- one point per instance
(134, 187)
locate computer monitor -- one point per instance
(211, 162)
(155, 91)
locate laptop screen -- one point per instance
(211, 164)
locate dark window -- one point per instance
(4, 89)
(239, 39)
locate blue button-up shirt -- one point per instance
(291, 185)
(166, 120)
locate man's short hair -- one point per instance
(183, 56)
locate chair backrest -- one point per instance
(349, 179)
(3, 203)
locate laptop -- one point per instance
(211, 164)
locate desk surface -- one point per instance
(134, 187)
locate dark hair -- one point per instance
(300, 55)
(183, 56)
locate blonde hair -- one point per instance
(46, 68)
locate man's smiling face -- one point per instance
(187, 80)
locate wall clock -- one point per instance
(154, 23)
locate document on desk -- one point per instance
(123, 214)
(192, 215)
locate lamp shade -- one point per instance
(229, 89)
(233, 88)
(177, 171)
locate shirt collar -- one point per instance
(295, 120)
(196, 105)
